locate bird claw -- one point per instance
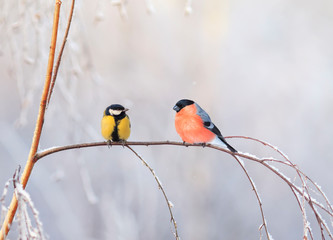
(123, 143)
(109, 143)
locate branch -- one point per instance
(305, 192)
(52, 150)
(56, 68)
(262, 161)
(264, 222)
(169, 204)
(298, 191)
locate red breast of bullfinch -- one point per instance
(193, 125)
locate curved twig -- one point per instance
(304, 186)
(329, 205)
(305, 190)
(169, 204)
(254, 188)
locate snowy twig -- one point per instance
(264, 223)
(3, 210)
(169, 204)
(287, 162)
(299, 192)
(26, 230)
(304, 192)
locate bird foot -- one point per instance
(123, 142)
(109, 143)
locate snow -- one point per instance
(26, 230)
(280, 173)
(48, 149)
(249, 155)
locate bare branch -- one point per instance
(305, 192)
(302, 194)
(264, 223)
(56, 67)
(169, 204)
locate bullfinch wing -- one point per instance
(210, 126)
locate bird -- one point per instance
(194, 125)
(115, 124)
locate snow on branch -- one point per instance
(303, 192)
(26, 228)
(322, 209)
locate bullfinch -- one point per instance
(115, 123)
(193, 125)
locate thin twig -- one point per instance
(56, 67)
(264, 222)
(304, 186)
(305, 189)
(24, 201)
(160, 187)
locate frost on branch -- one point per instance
(3, 210)
(25, 227)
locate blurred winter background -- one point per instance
(259, 68)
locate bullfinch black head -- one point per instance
(181, 104)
